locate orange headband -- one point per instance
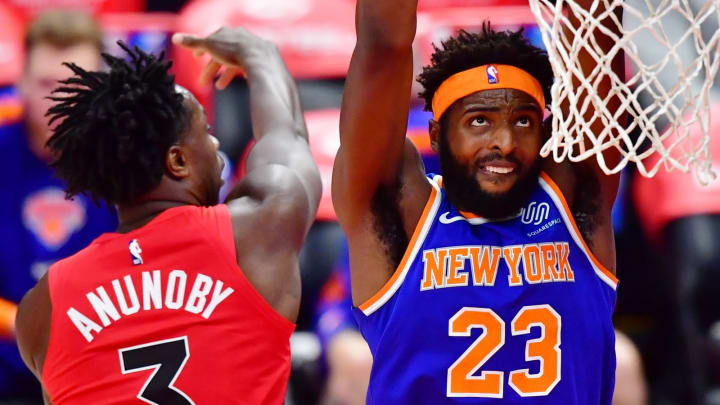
(485, 77)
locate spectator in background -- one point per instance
(40, 226)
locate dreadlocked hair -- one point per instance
(116, 127)
(470, 50)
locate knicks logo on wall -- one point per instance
(52, 218)
(492, 74)
(535, 213)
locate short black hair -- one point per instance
(469, 50)
(116, 127)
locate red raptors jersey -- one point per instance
(164, 315)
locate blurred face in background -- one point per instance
(43, 70)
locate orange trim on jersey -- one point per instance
(589, 252)
(398, 271)
(469, 215)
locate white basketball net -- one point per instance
(666, 96)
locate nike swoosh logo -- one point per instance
(473, 221)
(445, 220)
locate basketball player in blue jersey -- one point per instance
(493, 283)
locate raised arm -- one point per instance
(589, 191)
(274, 205)
(375, 106)
(281, 171)
(608, 183)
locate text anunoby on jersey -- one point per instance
(459, 266)
(156, 290)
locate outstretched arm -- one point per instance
(373, 119)
(281, 171)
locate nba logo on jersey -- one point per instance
(135, 251)
(492, 74)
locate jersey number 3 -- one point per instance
(461, 378)
(167, 358)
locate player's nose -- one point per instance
(503, 140)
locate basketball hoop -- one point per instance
(666, 96)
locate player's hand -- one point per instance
(230, 49)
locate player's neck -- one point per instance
(168, 194)
(131, 217)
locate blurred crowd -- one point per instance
(667, 228)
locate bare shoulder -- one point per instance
(271, 215)
(409, 189)
(379, 232)
(590, 196)
(580, 181)
(563, 175)
(32, 325)
(272, 197)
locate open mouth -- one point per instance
(499, 168)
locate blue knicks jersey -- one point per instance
(514, 311)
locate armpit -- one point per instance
(586, 207)
(388, 223)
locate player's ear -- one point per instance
(176, 162)
(434, 131)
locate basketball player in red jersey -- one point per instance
(190, 302)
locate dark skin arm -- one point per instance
(32, 328)
(273, 207)
(590, 192)
(374, 157)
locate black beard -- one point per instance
(465, 193)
